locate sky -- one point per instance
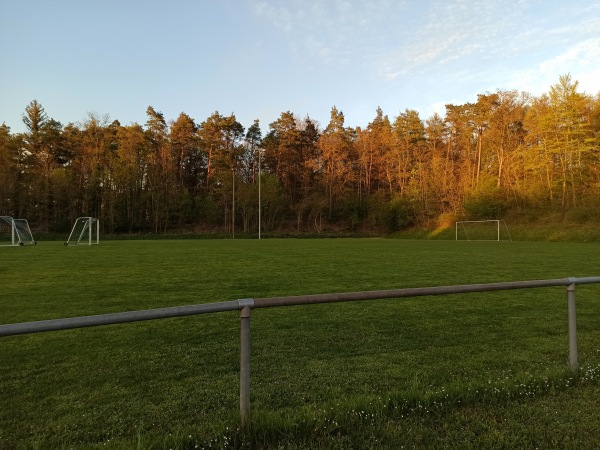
(260, 58)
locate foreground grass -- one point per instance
(472, 370)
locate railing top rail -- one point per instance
(116, 318)
(418, 292)
(179, 311)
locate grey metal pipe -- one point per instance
(573, 357)
(115, 318)
(178, 311)
(417, 292)
(245, 361)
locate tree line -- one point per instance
(508, 151)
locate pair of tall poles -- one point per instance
(233, 198)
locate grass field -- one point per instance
(462, 371)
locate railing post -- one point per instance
(245, 306)
(572, 326)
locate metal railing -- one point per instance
(246, 305)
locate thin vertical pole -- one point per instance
(233, 203)
(245, 365)
(259, 176)
(572, 327)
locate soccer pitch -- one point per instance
(115, 384)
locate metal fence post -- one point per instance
(572, 327)
(245, 306)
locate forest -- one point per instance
(509, 153)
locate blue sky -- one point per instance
(259, 58)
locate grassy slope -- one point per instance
(467, 370)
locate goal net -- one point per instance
(15, 232)
(482, 230)
(86, 231)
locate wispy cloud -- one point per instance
(459, 32)
(455, 48)
(338, 32)
(396, 38)
(580, 60)
(279, 17)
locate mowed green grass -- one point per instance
(473, 370)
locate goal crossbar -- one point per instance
(496, 224)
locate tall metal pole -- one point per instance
(233, 203)
(259, 206)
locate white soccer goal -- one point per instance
(86, 231)
(482, 230)
(15, 232)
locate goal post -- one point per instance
(15, 232)
(482, 230)
(86, 231)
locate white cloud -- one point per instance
(440, 108)
(338, 32)
(582, 54)
(581, 60)
(450, 32)
(279, 17)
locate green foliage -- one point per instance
(354, 214)
(587, 211)
(398, 214)
(485, 207)
(207, 210)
